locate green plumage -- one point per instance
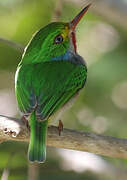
(44, 87)
(48, 76)
(37, 148)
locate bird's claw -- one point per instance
(23, 118)
(60, 127)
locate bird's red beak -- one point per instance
(76, 20)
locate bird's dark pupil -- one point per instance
(58, 39)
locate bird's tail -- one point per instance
(37, 145)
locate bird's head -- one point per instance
(53, 41)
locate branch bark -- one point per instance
(14, 129)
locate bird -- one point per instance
(49, 75)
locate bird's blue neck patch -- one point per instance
(67, 56)
(71, 57)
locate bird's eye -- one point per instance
(58, 39)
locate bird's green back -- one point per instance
(48, 86)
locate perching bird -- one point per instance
(49, 75)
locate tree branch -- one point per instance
(14, 129)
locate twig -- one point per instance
(6, 171)
(58, 10)
(14, 129)
(12, 44)
(33, 171)
(5, 174)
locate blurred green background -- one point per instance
(102, 105)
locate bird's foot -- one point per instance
(60, 127)
(25, 121)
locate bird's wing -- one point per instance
(60, 81)
(52, 85)
(26, 98)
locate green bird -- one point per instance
(49, 75)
